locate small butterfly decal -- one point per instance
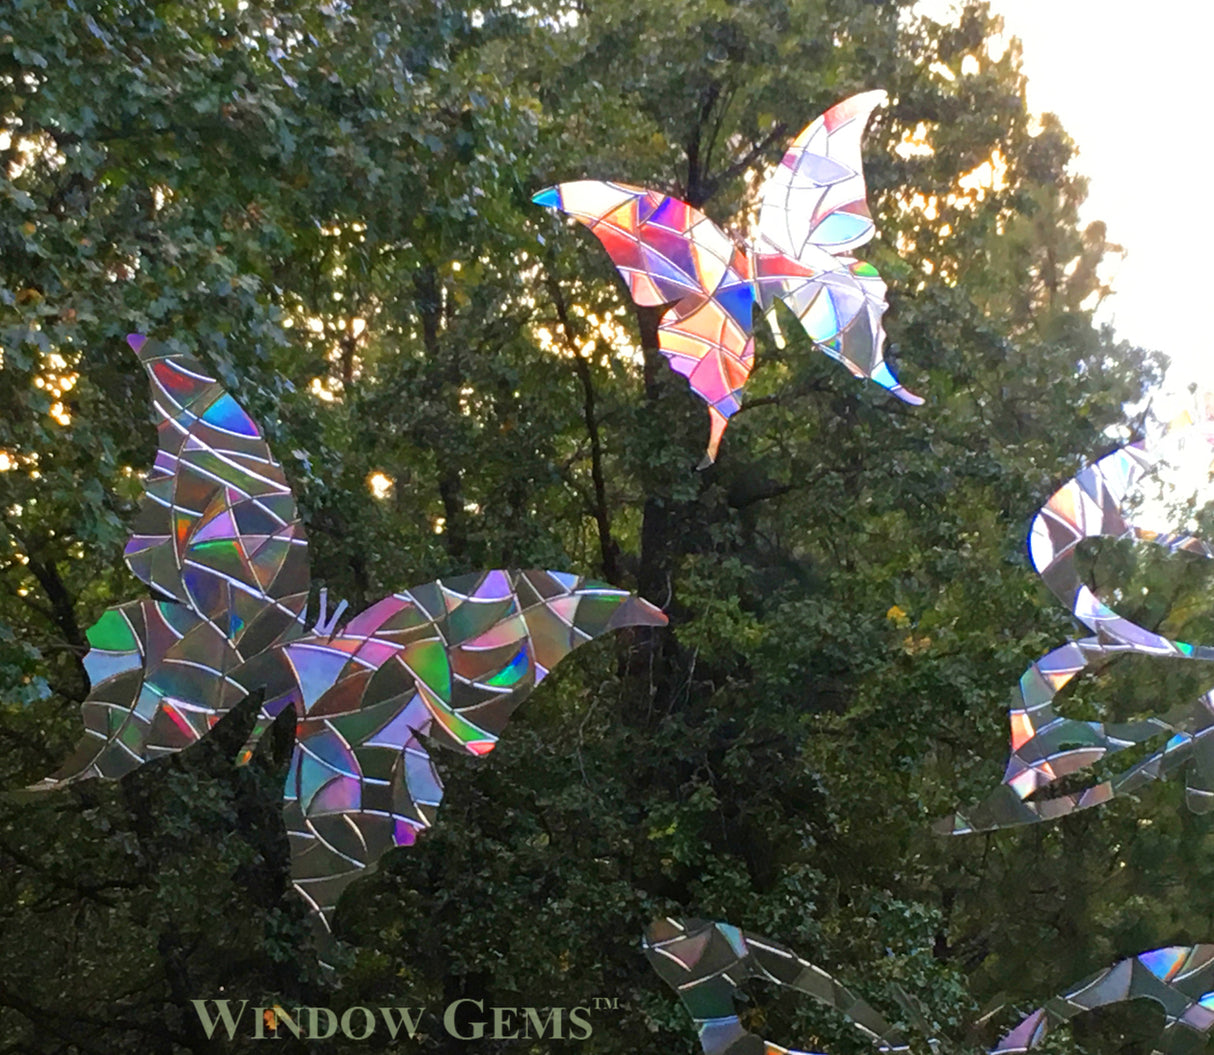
(813, 213)
(219, 540)
(706, 964)
(1180, 978)
(1045, 746)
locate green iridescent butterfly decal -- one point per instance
(219, 540)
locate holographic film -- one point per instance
(706, 964)
(1045, 746)
(812, 214)
(1179, 978)
(219, 539)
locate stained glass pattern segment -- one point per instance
(445, 663)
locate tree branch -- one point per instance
(608, 549)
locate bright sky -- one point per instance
(1130, 83)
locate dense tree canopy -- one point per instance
(330, 204)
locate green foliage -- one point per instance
(330, 204)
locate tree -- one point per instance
(331, 205)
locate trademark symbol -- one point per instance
(606, 1003)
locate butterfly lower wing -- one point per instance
(448, 662)
(706, 964)
(218, 529)
(219, 536)
(1180, 978)
(670, 253)
(814, 211)
(840, 302)
(160, 677)
(706, 342)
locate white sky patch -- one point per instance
(1128, 82)
(1181, 483)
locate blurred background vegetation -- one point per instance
(329, 203)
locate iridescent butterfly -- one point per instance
(1046, 746)
(1180, 978)
(812, 214)
(707, 963)
(219, 540)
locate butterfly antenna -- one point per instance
(325, 625)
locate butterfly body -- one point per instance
(219, 539)
(813, 212)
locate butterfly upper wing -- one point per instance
(813, 212)
(449, 662)
(670, 253)
(1179, 978)
(1045, 746)
(218, 537)
(706, 963)
(816, 198)
(217, 530)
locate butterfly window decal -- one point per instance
(1047, 747)
(1179, 978)
(707, 963)
(219, 540)
(813, 213)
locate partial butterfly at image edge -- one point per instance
(219, 540)
(705, 963)
(1045, 746)
(1179, 978)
